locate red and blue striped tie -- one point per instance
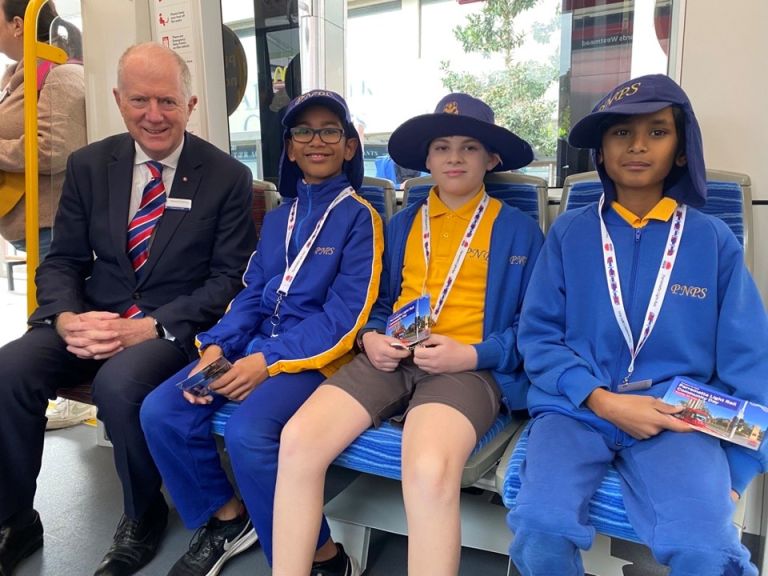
(143, 223)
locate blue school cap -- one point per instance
(290, 173)
(457, 114)
(645, 95)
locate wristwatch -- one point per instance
(160, 329)
(359, 340)
(162, 333)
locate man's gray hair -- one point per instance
(186, 76)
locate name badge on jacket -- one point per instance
(184, 204)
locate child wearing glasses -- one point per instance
(471, 256)
(307, 291)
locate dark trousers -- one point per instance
(179, 434)
(34, 367)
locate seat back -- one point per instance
(729, 197)
(580, 190)
(264, 199)
(416, 189)
(380, 192)
(526, 193)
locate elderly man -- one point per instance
(151, 239)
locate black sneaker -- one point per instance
(214, 544)
(18, 542)
(340, 565)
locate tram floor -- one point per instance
(80, 502)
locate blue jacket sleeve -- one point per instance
(241, 321)
(550, 363)
(504, 295)
(742, 341)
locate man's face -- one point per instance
(317, 159)
(152, 103)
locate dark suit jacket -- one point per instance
(197, 257)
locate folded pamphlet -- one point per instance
(718, 414)
(411, 323)
(200, 382)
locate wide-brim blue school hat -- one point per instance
(457, 114)
(645, 95)
(290, 173)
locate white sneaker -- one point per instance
(63, 413)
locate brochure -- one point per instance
(411, 323)
(718, 414)
(199, 383)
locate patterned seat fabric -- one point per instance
(377, 450)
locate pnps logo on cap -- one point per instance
(620, 94)
(314, 94)
(451, 107)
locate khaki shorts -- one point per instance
(386, 395)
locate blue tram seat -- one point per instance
(377, 450)
(380, 192)
(527, 193)
(729, 198)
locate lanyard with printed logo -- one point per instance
(659, 288)
(458, 259)
(292, 269)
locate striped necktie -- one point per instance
(143, 223)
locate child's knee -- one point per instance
(434, 476)
(298, 447)
(151, 414)
(528, 519)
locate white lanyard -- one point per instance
(659, 288)
(292, 269)
(458, 259)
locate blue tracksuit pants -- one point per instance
(676, 490)
(179, 437)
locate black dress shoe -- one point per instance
(18, 542)
(135, 543)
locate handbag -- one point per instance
(11, 190)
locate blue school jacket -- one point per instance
(331, 296)
(712, 326)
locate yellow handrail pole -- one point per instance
(32, 51)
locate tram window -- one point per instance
(540, 74)
(403, 55)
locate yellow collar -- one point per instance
(662, 211)
(437, 207)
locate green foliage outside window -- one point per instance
(517, 92)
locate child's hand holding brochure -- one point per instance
(718, 414)
(411, 323)
(199, 383)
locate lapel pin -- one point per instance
(184, 179)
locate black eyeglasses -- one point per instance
(305, 135)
